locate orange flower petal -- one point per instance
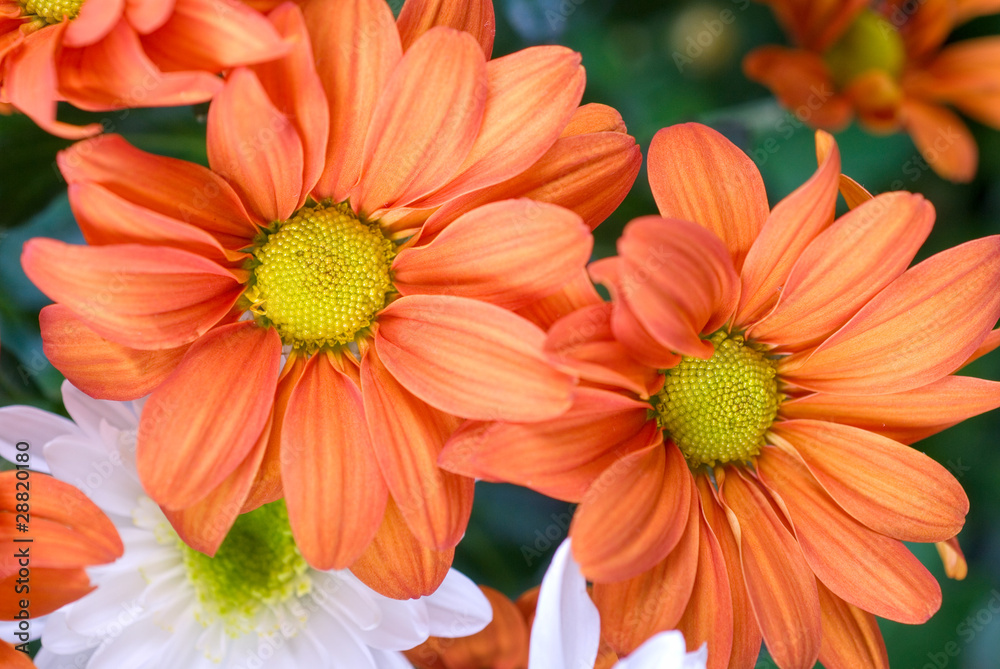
(503, 644)
(629, 519)
(698, 175)
(953, 558)
(408, 435)
(905, 417)
(594, 117)
(204, 525)
(139, 296)
(589, 174)
(295, 88)
(988, 345)
(102, 369)
(471, 359)
(213, 35)
(802, 83)
(51, 589)
(851, 637)
(531, 96)
(204, 420)
(473, 16)
(942, 138)
(116, 72)
(255, 147)
(922, 326)
(425, 122)
(793, 224)
(397, 565)
(508, 253)
(844, 267)
(357, 47)
(891, 488)
(964, 75)
(60, 513)
(334, 490)
(654, 601)
(178, 189)
(9, 657)
(678, 280)
(267, 484)
(869, 570)
(746, 632)
(30, 82)
(708, 617)
(575, 294)
(147, 16)
(782, 588)
(626, 327)
(561, 457)
(586, 342)
(106, 218)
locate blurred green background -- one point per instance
(630, 53)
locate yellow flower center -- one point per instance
(871, 43)
(320, 277)
(256, 567)
(51, 11)
(717, 410)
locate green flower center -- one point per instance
(51, 11)
(871, 43)
(320, 277)
(717, 410)
(256, 567)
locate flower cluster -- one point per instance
(286, 370)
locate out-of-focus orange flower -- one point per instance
(739, 452)
(49, 548)
(102, 55)
(351, 262)
(884, 62)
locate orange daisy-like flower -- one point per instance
(739, 450)
(884, 61)
(317, 312)
(53, 533)
(103, 55)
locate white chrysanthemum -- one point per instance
(567, 628)
(256, 604)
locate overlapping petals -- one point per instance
(447, 154)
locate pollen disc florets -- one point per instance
(257, 567)
(870, 43)
(51, 11)
(717, 410)
(320, 277)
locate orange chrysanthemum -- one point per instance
(318, 311)
(738, 452)
(885, 62)
(66, 533)
(103, 55)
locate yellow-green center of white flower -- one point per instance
(51, 11)
(256, 567)
(320, 277)
(718, 410)
(870, 43)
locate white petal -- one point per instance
(458, 607)
(36, 428)
(404, 625)
(59, 638)
(88, 412)
(343, 592)
(567, 627)
(134, 647)
(77, 460)
(345, 649)
(109, 608)
(46, 659)
(665, 650)
(388, 659)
